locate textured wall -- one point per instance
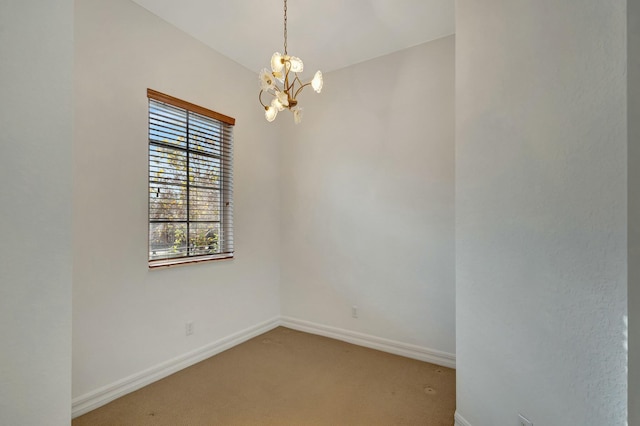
(127, 318)
(541, 212)
(367, 200)
(36, 48)
(633, 114)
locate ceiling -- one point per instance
(326, 34)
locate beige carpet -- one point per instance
(285, 377)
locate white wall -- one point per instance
(367, 200)
(541, 212)
(127, 318)
(633, 93)
(36, 49)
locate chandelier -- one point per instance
(282, 82)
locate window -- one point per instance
(190, 182)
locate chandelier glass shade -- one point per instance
(282, 84)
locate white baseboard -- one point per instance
(99, 397)
(461, 421)
(106, 394)
(398, 348)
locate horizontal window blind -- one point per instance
(190, 182)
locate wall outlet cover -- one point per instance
(189, 328)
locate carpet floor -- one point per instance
(286, 377)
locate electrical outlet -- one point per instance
(188, 328)
(522, 421)
(354, 311)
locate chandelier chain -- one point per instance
(285, 27)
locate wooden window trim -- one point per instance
(168, 99)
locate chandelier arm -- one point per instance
(292, 87)
(260, 98)
(302, 86)
(287, 86)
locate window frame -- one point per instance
(225, 158)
